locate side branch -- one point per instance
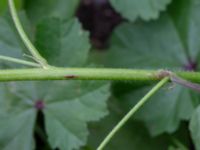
(55, 73)
(24, 37)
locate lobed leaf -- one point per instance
(38, 10)
(132, 136)
(62, 43)
(67, 106)
(145, 9)
(165, 44)
(164, 111)
(194, 127)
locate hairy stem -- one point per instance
(55, 73)
(24, 37)
(132, 112)
(19, 61)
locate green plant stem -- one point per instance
(179, 144)
(132, 112)
(24, 37)
(55, 73)
(19, 61)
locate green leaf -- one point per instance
(143, 45)
(17, 120)
(185, 14)
(194, 128)
(62, 43)
(159, 44)
(175, 35)
(68, 107)
(4, 5)
(69, 117)
(164, 111)
(9, 44)
(132, 136)
(145, 9)
(38, 10)
(17, 130)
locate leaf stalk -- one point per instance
(19, 61)
(132, 112)
(34, 52)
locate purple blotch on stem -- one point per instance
(70, 76)
(180, 81)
